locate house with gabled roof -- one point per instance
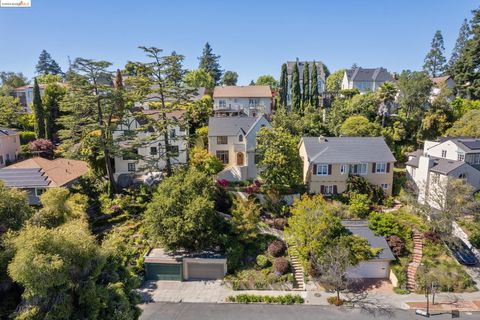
(233, 141)
(328, 161)
(446, 158)
(251, 101)
(365, 80)
(9, 146)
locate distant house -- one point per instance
(25, 94)
(431, 168)
(9, 146)
(365, 80)
(37, 174)
(233, 141)
(379, 266)
(439, 83)
(321, 78)
(147, 147)
(250, 101)
(328, 161)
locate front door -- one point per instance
(240, 159)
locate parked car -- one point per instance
(461, 252)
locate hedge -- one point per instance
(250, 298)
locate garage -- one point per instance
(204, 271)
(370, 269)
(163, 271)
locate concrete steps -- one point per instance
(297, 269)
(417, 255)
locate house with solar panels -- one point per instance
(448, 157)
(37, 174)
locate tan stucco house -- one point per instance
(328, 161)
(233, 141)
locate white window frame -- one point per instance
(222, 103)
(362, 172)
(461, 156)
(328, 189)
(131, 165)
(322, 169)
(381, 167)
(344, 169)
(240, 138)
(39, 191)
(384, 186)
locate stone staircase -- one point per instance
(297, 269)
(416, 260)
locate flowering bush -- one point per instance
(277, 248)
(281, 266)
(42, 147)
(222, 183)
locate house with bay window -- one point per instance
(328, 161)
(233, 140)
(446, 158)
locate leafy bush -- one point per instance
(397, 245)
(235, 254)
(474, 238)
(41, 147)
(279, 223)
(277, 248)
(281, 265)
(360, 185)
(386, 224)
(400, 291)
(335, 301)
(250, 298)
(359, 205)
(27, 136)
(262, 261)
(223, 183)
(431, 236)
(389, 202)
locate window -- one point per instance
(240, 138)
(444, 153)
(360, 168)
(172, 133)
(328, 190)
(473, 158)
(131, 167)
(381, 168)
(322, 169)
(39, 191)
(222, 140)
(461, 157)
(253, 102)
(344, 169)
(384, 186)
(182, 129)
(223, 156)
(222, 103)
(153, 151)
(1, 159)
(463, 176)
(173, 151)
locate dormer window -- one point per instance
(240, 138)
(461, 157)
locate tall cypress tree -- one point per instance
(38, 109)
(209, 63)
(314, 86)
(51, 104)
(283, 85)
(435, 60)
(296, 94)
(306, 86)
(463, 36)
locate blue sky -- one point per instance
(252, 37)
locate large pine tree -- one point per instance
(46, 64)
(306, 86)
(38, 110)
(209, 62)
(463, 36)
(314, 86)
(296, 94)
(435, 60)
(283, 85)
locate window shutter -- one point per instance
(314, 169)
(335, 189)
(374, 167)
(322, 189)
(329, 169)
(388, 167)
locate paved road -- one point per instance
(213, 311)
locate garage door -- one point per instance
(370, 269)
(163, 271)
(205, 271)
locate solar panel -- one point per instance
(472, 144)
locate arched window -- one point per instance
(240, 138)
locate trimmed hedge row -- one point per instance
(251, 298)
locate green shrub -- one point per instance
(360, 185)
(277, 248)
(400, 291)
(250, 298)
(474, 239)
(26, 136)
(359, 205)
(262, 261)
(335, 301)
(389, 202)
(235, 254)
(281, 265)
(386, 224)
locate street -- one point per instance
(214, 311)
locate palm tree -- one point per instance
(386, 93)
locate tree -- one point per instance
(199, 78)
(41, 147)
(359, 205)
(199, 111)
(245, 219)
(10, 81)
(386, 94)
(461, 106)
(334, 81)
(439, 117)
(314, 87)
(14, 208)
(359, 126)
(10, 111)
(435, 60)
(296, 94)
(279, 160)
(39, 111)
(48, 78)
(205, 162)
(52, 96)
(230, 78)
(467, 125)
(306, 85)
(209, 63)
(267, 80)
(463, 37)
(283, 85)
(182, 213)
(46, 65)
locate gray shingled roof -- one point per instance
(360, 228)
(319, 64)
(229, 126)
(373, 74)
(444, 166)
(347, 149)
(7, 132)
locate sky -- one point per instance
(252, 37)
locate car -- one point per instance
(461, 252)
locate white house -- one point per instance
(440, 83)
(9, 146)
(25, 94)
(429, 169)
(146, 156)
(321, 78)
(233, 141)
(365, 80)
(251, 101)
